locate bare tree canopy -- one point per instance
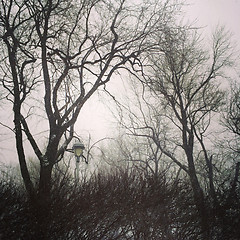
(176, 107)
(65, 51)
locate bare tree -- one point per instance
(65, 51)
(231, 121)
(186, 77)
(181, 87)
(139, 116)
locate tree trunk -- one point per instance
(188, 143)
(45, 182)
(198, 197)
(43, 204)
(17, 120)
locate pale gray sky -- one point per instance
(94, 117)
(213, 12)
(208, 14)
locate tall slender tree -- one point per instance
(181, 89)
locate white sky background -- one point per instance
(212, 12)
(95, 119)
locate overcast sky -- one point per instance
(208, 14)
(212, 12)
(94, 118)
